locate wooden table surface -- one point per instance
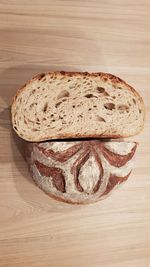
(37, 36)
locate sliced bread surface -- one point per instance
(62, 104)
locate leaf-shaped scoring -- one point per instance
(76, 168)
(88, 149)
(98, 160)
(56, 174)
(115, 159)
(61, 156)
(113, 181)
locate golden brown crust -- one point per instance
(105, 76)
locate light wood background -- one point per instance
(91, 35)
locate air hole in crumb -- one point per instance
(140, 110)
(100, 118)
(102, 91)
(89, 109)
(34, 129)
(90, 96)
(45, 107)
(73, 106)
(32, 105)
(57, 104)
(52, 115)
(53, 120)
(33, 91)
(63, 100)
(95, 106)
(62, 94)
(134, 101)
(123, 107)
(109, 106)
(60, 117)
(15, 128)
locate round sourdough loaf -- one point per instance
(80, 172)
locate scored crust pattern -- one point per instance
(82, 171)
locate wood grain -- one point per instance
(37, 36)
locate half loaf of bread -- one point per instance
(61, 105)
(80, 171)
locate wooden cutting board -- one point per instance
(37, 36)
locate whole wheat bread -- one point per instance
(70, 105)
(80, 171)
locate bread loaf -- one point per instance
(80, 171)
(62, 105)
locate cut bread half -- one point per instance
(60, 105)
